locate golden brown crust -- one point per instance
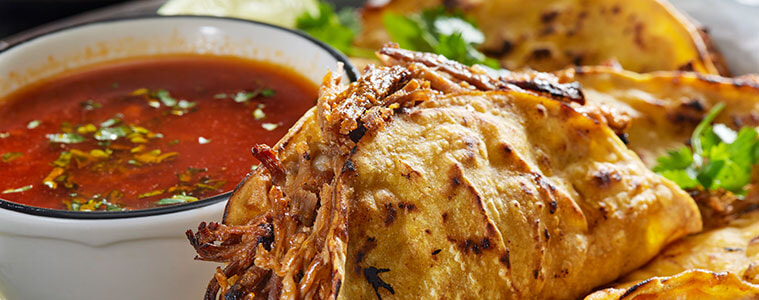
(431, 174)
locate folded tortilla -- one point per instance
(427, 179)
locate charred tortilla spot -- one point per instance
(552, 206)
(485, 243)
(357, 133)
(372, 276)
(535, 273)
(541, 53)
(731, 249)
(616, 9)
(604, 212)
(624, 137)
(639, 27)
(390, 214)
(549, 16)
(456, 180)
(445, 217)
(604, 178)
(409, 207)
(688, 67)
(635, 287)
(490, 229)
(436, 251)
(505, 260)
(506, 47)
(571, 91)
(470, 245)
(349, 166)
(427, 231)
(694, 104)
(545, 233)
(368, 245)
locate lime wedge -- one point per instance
(277, 12)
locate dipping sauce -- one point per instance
(144, 132)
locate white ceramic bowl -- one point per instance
(49, 254)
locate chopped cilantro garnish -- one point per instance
(440, 31)
(719, 159)
(65, 138)
(243, 96)
(220, 96)
(173, 142)
(176, 199)
(151, 194)
(184, 104)
(268, 92)
(110, 122)
(111, 133)
(33, 124)
(90, 105)
(139, 92)
(18, 190)
(165, 98)
(336, 29)
(9, 156)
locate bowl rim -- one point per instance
(350, 71)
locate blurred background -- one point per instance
(20, 15)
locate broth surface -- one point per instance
(144, 132)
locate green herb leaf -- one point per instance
(336, 29)
(111, 133)
(674, 160)
(220, 96)
(90, 105)
(184, 104)
(65, 138)
(18, 190)
(438, 30)
(720, 159)
(696, 139)
(166, 98)
(268, 93)
(9, 156)
(110, 122)
(243, 96)
(681, 178)
(176, 199)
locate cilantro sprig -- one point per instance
(440, 31)
(337, 29)
(719, 158)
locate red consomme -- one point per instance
(144, 132)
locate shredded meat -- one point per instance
(720, 207)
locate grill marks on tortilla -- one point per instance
(372, 276)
